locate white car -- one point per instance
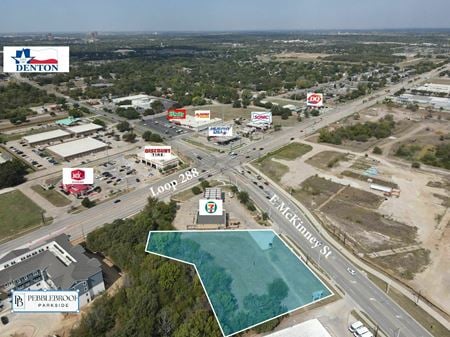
(355, 326)
(360, 331)
(351, 271)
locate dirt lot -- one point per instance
(420, 215)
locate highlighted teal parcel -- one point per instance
(249, 276)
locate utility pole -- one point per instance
(43, 218)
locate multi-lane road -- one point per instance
(392, 319)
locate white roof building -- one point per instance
(45, 137)
(311, 328)
(77, 148)
(159, 163)
(196, 123)
(437, 88)
(84, 128)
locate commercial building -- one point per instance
(211, 221)
(311, 328)
(160, 163)
(435, 102)
(46, 137)
(434, 88)
(196, 124)
(213, 193)
(77, 148)
(69, 121)
(78, 190)
(84, 129)
(53, 265)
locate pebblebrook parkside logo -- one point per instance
(45, 301)
(46, 59)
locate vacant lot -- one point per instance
(276, 170)
(362, 177)
(316, 190)
(405, 265)
(53, 196)
(369, 230)
(326, 159)
(17, 214)
(354, 196)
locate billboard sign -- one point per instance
(78, 175)
(314, 99)
(176, 114)
(210, 207)
(151, 152)
(56, 301)
(261, 117)
(220, 131)
(47, 59)
(203, 115)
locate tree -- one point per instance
(154, 137)
(86, 202)
(205, 184)
(98, 121)
(243, 197)
(123, 126)
(237, 104)
(157, 106)
(377, 150)
(129, 137)
(265, 216)
(415, 165)
(147, 135)
(12, 173)
(315, 112)
(196, 190)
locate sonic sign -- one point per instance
(176, 114)
(314, 99)
(36, 59)
(261, 117)
(210, 207)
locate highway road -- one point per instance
(391, 318)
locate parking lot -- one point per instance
(162, 126)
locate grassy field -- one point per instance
(420, 315)
(315, 190)
(53, 196)
(276, 170)
(326, 159)
(17, 214)
(405, 265)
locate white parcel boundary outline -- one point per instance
(204, 288)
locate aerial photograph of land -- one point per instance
(249, 169)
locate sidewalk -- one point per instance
(393, 283)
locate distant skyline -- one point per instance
(219, 15)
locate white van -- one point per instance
(355, 326)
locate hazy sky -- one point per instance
(189, 15)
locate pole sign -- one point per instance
(47, 59)
(261, 117)
(203, 115)
(220, 131)
(51, 301)
(176, 114)
(210, 207)
(314, 99)
(78, 176)
(151, 152)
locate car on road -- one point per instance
(116, 201)
(210, 175)
(292, 138)
(5, 320)
(138, 180)
(261, 148)
(351, 271)
(246, 157)
(266, 183)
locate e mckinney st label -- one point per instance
(295, 220)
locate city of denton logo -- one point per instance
(77, 175)
(211, 207)
(48, 59)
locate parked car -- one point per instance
(116, 201)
